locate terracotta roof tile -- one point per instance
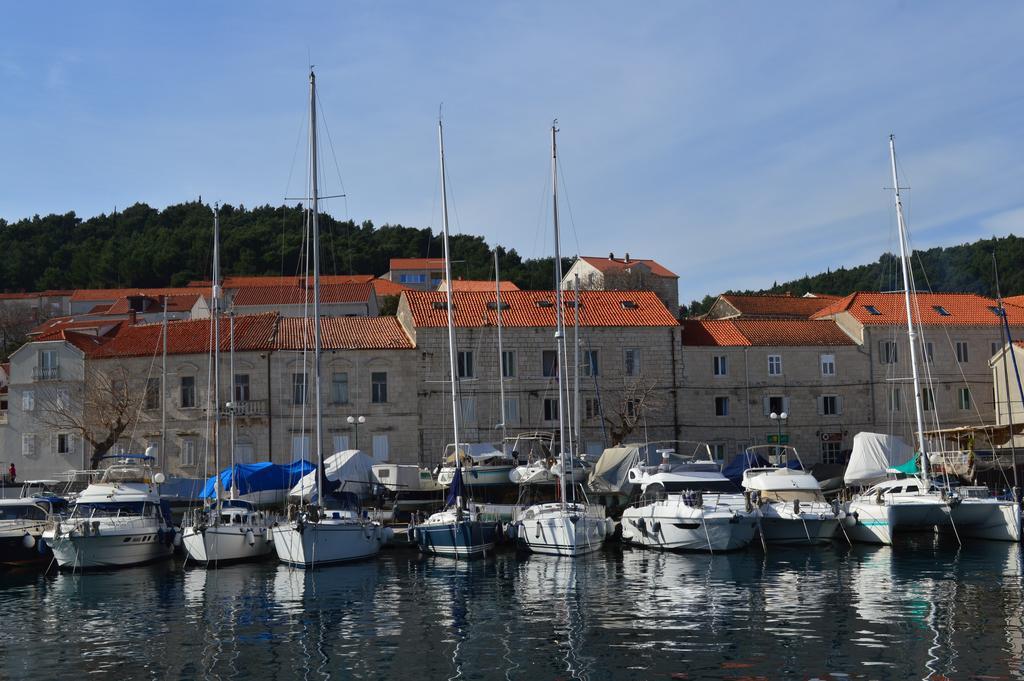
(175, 303)
(483, 285)
(343, 333)
(23, 295)
(777, 306)
(764, 332)
(293, 295)
(86, 342)
(82, 295)
(383, 287)
(252, 332)
(536, 308)
(55, 324)
(883, 309)
(620, 265)
(416, 264)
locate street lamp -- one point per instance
(779, 419)
(354, 421)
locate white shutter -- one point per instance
(839, 404)
(72, 442)
(54, 444)
(28, 400)
(28, 445)
(821, 404)
(340, 443)
(380, 448)
(767, 405)
(785, 404)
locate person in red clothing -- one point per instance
(12, 472)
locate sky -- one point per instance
(738, 144)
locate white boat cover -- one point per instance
(477, 451)
(611, 471)
(873, 455)
(352, 467)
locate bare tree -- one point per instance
(629, 407)
(15, 322)
(99, 410)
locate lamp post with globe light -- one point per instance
(354, 421)
(779, 420)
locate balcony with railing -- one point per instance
(244, 409)
(41, 373)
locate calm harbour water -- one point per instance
(919, 610)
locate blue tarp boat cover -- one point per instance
(258, 477)
(744, 460)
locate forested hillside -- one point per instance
(142, 246)
(963, 268)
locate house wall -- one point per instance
(639, 279)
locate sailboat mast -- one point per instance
(231, 389)
(215, 320)
(1005, 337)
(559, 321)
(163, 386)
(911, 329)
(450, 307)
(315, 245)
(576, 377)
(501, 351)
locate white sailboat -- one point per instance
(329, 529)
(899, 504)
(567, 527)
(228, 530)
(458, 530)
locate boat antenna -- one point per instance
(905, 254)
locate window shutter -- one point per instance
(839, 404)
(767, 406)
(53, 442)
(71, 444)
(785, 404)
(821, 404)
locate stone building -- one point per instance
(737, 373)
(625, 274)
(630, 365)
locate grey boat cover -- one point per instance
(611, 470)
(872, 457)
(352, 468)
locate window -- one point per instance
(721, 406)
(511, 411)
(831, 452)
(929, 352)
(927, 399)
(943, 312)
(381, 447)
(830, 405)
(591, 408)
(188, 393)
(152, 398)
(718, 451)
(508, 363)
(964, 398)
(340, 443)
(187, 454)
(895, 400)
(589, 367)
(339, 387)
(299, 389)
(776, 404)
(550, 409)
(631, 358)
(720, 366)
(47, 368)
(872, 310)
(465, 362)
(28, 444)
(244, 452)
(774, 365)
(468, 409)
(300, 447)
(412, 278)
(379, 387)
(632, 409)
(961, 352)
(828, 365)
(63, 397)
(887, 352)
(28, 400)
(242, 392)
(549, 360)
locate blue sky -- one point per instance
(737, 143)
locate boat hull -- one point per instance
(987, 519)
(478, 476)
(780, 525)
(561, 534)
(110, 548)
(14, 552)
(328, 541)
(673, 526)
(227, 543)
(873, 523)
(456, 539)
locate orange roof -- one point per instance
(115, 293)
(536, 308)
(252, 332)
(779, 306)
(175, 303)
(416, 264)
(764, 332)
(1014, 300)
(343, 333)
(55, 324)
(953, 309)
(86, 342)
(33, 294)
(294, 295)
(484, 285)
(621, 265)
(383, 287)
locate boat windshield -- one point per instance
(714, 486)
(116, 509)
(793, 495)
(127, 473)
(22, 512)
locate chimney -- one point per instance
(131, 317)
(611, 256)
(627, 257)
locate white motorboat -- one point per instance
(793, 508)
(22, 523)
(482, 465)
(326, 527)
(687, 504)
(116, 522)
